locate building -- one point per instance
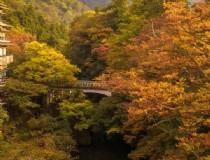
(4, 58)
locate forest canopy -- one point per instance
(153, 56)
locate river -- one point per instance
(101, 149)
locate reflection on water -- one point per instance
(114, 149)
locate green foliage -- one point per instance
(48, 25)
(19, 94)
(109, 115)
(44, 65)
(77, 110)
(41, 138)
(149, 9)
(58, 11)
(30, 133)
(34, 76)
(3, 116)
(28, 20)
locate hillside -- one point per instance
(47, 20)
(53, 10)
(130, 81)
(94, 3)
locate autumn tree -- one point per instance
(88, 37)
(130, 18)
(18, 40)
(167, 85)
(194, 132)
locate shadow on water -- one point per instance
(102, 149)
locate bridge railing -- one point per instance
(90, 84)
(83, 84)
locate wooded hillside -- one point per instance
(152, 57)
(62, 11)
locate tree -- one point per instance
(168, 85)
(149, 9)
(18, 40)
(195, 130)
(129, 21)
(41, 69)
(25, 19)
(3, 116)
(87, 33)
(77, 110)
(109, 115)
(31, 123)
(44, 65)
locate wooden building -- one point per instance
(4, 42)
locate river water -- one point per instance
(100, 149)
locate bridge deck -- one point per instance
(89, 87)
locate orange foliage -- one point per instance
(18, 40)
(172, 59)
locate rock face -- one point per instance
(95, 3)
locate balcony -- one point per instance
(2, 24)
(4, 41)
(2, 83)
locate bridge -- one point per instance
(89, 87)
(93, 87)
(62, 91)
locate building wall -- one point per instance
(3, 51)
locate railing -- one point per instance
(91, 84)
(2, 81)
(4, 39)
(86, 84)
(2, 84)
(83, 84)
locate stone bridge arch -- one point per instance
(103, 92)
